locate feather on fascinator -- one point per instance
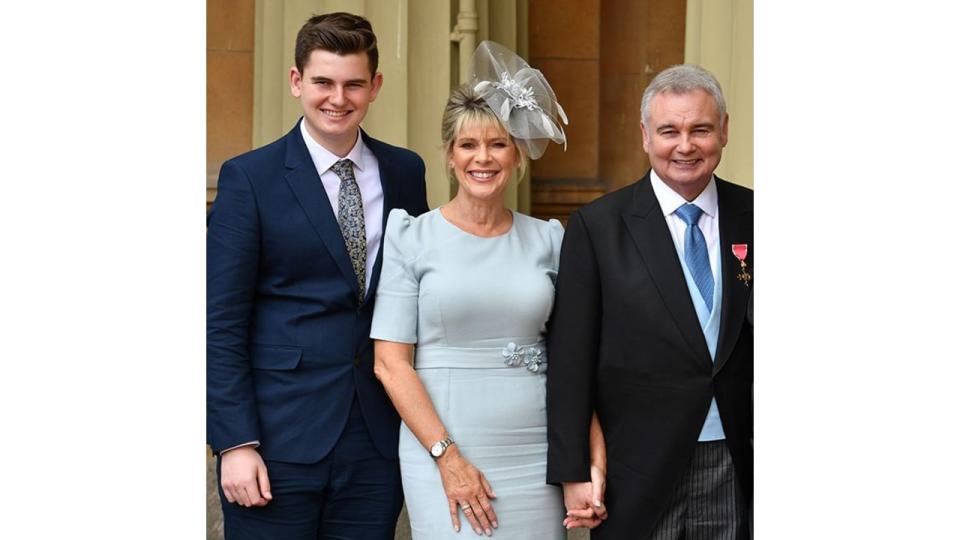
(519, 96)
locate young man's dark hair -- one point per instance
(340, 33)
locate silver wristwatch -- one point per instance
(440, 447)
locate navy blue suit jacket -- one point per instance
(288, 342)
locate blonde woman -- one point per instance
(460, 321)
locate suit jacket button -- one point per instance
(356, 361)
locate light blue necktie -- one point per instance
(695, 252)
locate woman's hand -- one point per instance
(582, 513)
(468, 489)
(585, 500)
(464, 485)
(598, 484)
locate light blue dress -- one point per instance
(476, 308)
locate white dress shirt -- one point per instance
(670, 200)
(366, 170)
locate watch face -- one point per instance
(436, 450)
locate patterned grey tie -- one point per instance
(350, 218)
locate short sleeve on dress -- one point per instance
(395, 313)
(556, 241)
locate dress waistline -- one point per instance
(533, 357)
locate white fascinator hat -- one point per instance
(520, 96)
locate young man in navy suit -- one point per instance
(306, 438)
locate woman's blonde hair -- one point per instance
(466, 107)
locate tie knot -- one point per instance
(343, 169)
(689, 213)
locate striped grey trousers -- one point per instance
(707, 503)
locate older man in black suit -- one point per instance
(649, 331)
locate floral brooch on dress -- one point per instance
(531, 357)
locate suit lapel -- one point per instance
(390, 194)
(306, 185)
(651, 237)
(390, 198)
(736, 225)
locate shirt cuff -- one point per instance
(254, 444)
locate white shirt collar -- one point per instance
(670, 200)
(323, 159)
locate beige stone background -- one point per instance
(597, 54)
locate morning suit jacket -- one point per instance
(624, 340)
(288, 342)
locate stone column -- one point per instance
(720, 38)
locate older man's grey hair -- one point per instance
(682, 79)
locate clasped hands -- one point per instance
(584, 500)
